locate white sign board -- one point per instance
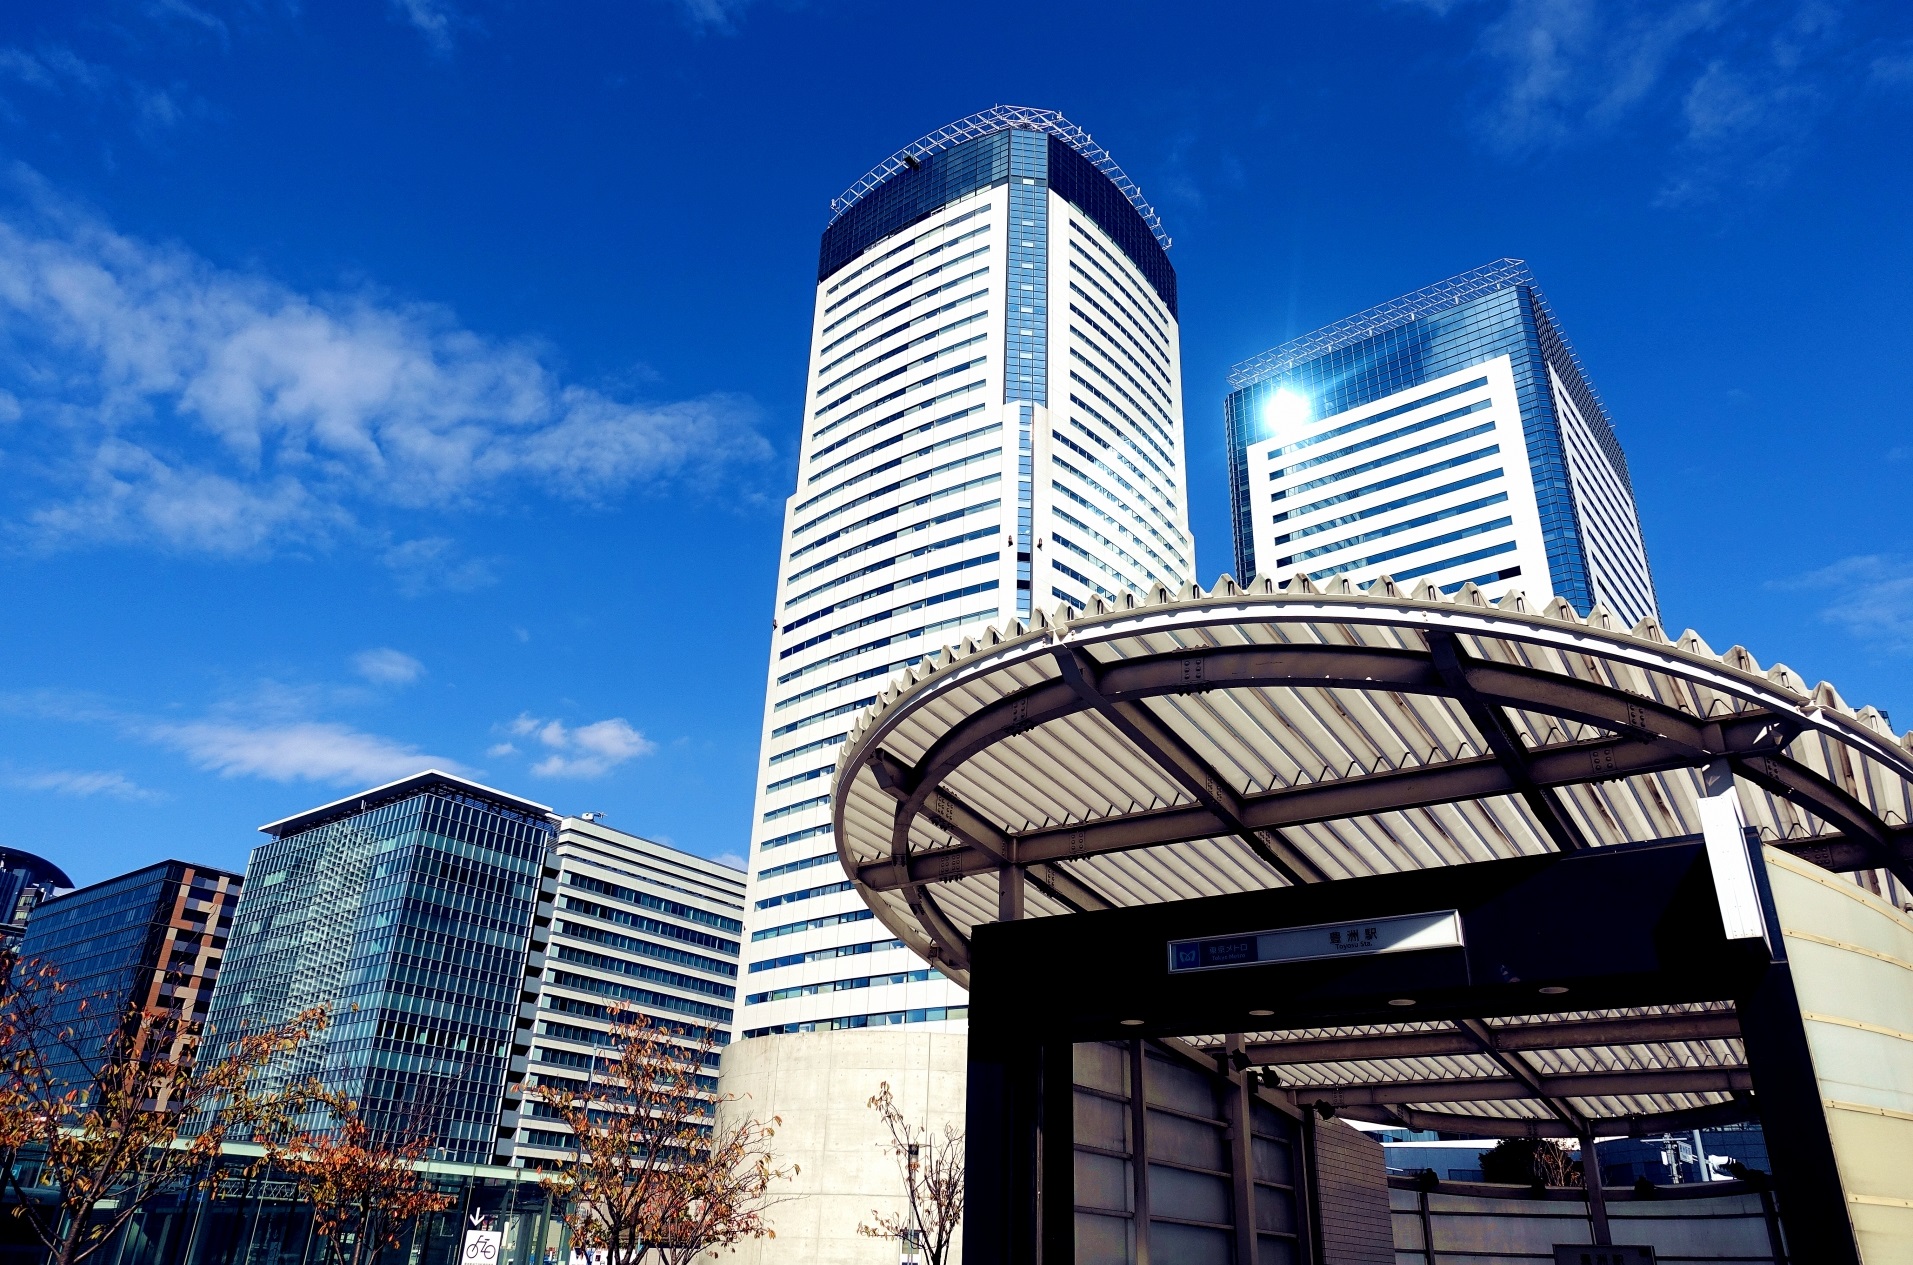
(482, 1247)
(1401, 933)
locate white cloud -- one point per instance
(85, 784)
(1872, 598)
(168, 402)
(731, 859)
(304, 751)
(586, 751)
(1733, 85)
(386, 666)
(434, 20)
(500, 749)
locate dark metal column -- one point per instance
(1813, 1206)
(1056, 1191)
(1003, 1119)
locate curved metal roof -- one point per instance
(1195, 744)
(1000, 118)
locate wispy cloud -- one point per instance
(303, 751)
(1731, 87)
(168, 402)
(583, 752)
(84, 784)
(57, 70)
(434, 19)
(1869, 595)
(386, 666)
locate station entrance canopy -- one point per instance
(1550, 838)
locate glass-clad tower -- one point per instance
(992, 424)
(1448, 435)
(412, 912)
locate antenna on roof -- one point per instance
(590, 816)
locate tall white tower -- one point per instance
(993, 422)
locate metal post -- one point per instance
(1056, 1142)
(1427, 1227)
(1139, 1148)
(1003, 1116)
(1596, 1193)
(1009, 893)
(1241, 1154)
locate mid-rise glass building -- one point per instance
(1449, 436)
(146, 943)
(992, 425)
(410, 911)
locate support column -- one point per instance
(1241, 1153)
(1003, 1119)
(1009, 893)
(1596, 1193)
(1813, 1206)
(1056, 1189)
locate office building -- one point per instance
(25, 881)
(411, 912)
(147, 943)
(992, 424)
(992, 428)
(1450, 436)
(639, 930)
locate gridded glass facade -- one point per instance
(409, 921)
(150, 939)
(1423, 337)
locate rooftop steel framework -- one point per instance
(1464, 287)
(1001, 118)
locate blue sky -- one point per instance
(390, 382)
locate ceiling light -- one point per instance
(1401, 1001)
(1132, 1023)
(1261, 1014)
(1553, 990)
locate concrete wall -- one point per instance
(819, 1084)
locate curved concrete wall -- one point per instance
(819, 1084)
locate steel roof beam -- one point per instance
(1660, 1082)
(1795, 782)
(1059, 884)
(1713, 1025)
(1492, 724)
(1168, 752)
(1733, 1111)
(1521, 1070)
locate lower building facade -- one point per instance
(137, 957)
(641, 931)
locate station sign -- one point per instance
(1399, 933)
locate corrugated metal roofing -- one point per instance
(1197, 744)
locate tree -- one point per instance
(141, 1116)
(654, 1177)
(364, 1184)
(1529, 1162)
(931, 1166)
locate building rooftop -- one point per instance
(1001, 118)
(404, 788)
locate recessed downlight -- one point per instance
(1554, 990)
(1401, 1001)
(1261, 1014)
(1132, 1023)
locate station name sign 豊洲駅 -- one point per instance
(1398, 933)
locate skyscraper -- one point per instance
(992, 424)
(410, 912)
(1448, 435)
(640, 929)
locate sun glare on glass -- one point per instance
(1285, 408)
